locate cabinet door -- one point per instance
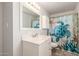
(30, 49)
(45, 49)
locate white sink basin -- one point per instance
(36, 40)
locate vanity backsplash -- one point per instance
(34, 31)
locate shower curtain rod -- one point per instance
(64, 14)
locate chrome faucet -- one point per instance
(35, 34)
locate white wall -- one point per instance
(1, 42)
(30, 32)
(17, 48)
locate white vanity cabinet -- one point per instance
(36, 47)
(45, 49)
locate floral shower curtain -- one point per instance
(72, 31)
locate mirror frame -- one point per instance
(21, 17)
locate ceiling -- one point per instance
(57, 7)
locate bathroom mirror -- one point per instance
(29, 19)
